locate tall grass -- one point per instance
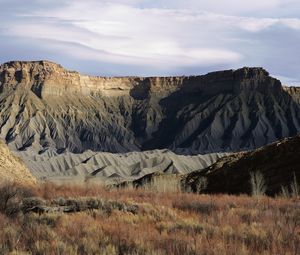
(165, 223)
(258, 185)
(164, 183)
(293, 190)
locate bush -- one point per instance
(198, 207)
(11, 195)
(201, 184)
(31, 202)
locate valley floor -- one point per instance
(52, 219)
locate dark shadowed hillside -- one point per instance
(278, 163)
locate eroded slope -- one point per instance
(112, 167)
(12, 168)
(44, 106)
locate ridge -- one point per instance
(46, 78)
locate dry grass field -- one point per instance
(96, 220)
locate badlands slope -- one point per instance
(60, 121)
(112, 167)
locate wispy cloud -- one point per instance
(142, 37)
(288, 80)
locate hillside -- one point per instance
(12, 168)
(278, 162)
(64, 124)
(45, 106)
(107, 167)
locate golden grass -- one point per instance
(164, 183)
(166, 223)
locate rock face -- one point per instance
(278, 163)
(46, 79)
(44, 106)
(12, 168)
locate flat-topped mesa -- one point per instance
(46, 78)
(234, 81)
(256, 79)
(35, 75)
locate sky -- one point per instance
(154, 37)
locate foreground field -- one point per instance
(51, 219)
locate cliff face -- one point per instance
(42, 106)
(45, 78)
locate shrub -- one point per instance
(11, 195)
(31, 202)
(201, 184)
(258, 185)
(205, 207)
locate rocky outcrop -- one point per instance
(43, 106)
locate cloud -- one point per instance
(288, 80)
(155, 40)
(225, 7)
(141, 37)
(249, 8)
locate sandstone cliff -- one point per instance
(45, 78)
